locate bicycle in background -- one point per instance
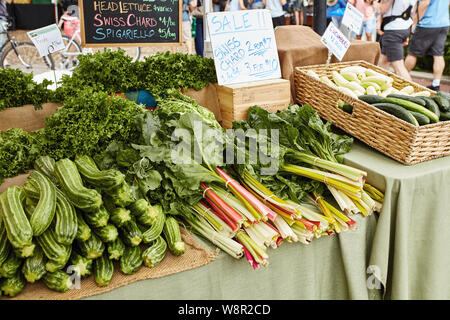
(22, 55)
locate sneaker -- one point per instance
(434, 88)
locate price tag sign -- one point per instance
(335, 41)
(244, 46)
(47, 39)
(353, 18)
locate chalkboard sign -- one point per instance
(117, 23)
(244, 46)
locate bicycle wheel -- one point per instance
(67, 59)
(27, 58)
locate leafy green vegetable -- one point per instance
(18, 88)
(89, 122)
(18, 150)
(114, 72)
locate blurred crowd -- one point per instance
(422, 25)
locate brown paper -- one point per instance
(207, 97)
(301, 46)
(26, 117)
(195, 256)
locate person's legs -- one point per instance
(297, 19)
(410, 62)
(301, 16)
(438, 70)
(199, 37)
(368, 36)
(383, 62)
(186, 28)
(400, 69)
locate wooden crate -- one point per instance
(236, 99)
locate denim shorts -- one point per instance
(368, 26)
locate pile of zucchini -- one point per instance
(70, 218)
(418, 110)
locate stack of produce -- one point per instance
(71, 215)
(238, 209)
(417, 108)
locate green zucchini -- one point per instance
(120, 216)
(431, 105)
(91, 248)
(122, 196)
(66, 221)
(415, 100)
(81, 265)
(155, 252)
(58, 281)
(11, 265)
(53, 250)
(12, 286)
(411, 106)
(103, 271)
(143, 212)
(397, 111)
(370, 98)
(107, 180)
(5, 246)
(18, 228)
(46, 165)
(115, 249)
(131, 260)
(29, 209)
(172, 234)
(156, 229)
(445, 116)
(83, 230)
(45, 209)
(31, 190)
(442, 100)
(421, 119)
(34, 267)
(347, 108)
(52, 266)
(98, 218)
(107, 233)
(130, 233)
(70, 181)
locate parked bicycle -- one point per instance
(22, 55)
(67, 59)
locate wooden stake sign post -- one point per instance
(112, 23)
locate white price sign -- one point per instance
(47, 39)
(335, 41)
(244, 47)
(353, 18)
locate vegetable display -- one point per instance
(114, 183)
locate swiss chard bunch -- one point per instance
(18, 150)
(18, 88)
(87, 123)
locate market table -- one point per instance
(404, 248)
(331, 267)
(410, 252)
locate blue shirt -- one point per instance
(436, 15)
(339, 4)
(185, 16)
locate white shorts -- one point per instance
(186, 28)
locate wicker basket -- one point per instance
(388, 134)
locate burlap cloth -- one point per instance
(194, 257)
(301, 46)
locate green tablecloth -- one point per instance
(410, 251)
(406, 249)
(331, 267)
